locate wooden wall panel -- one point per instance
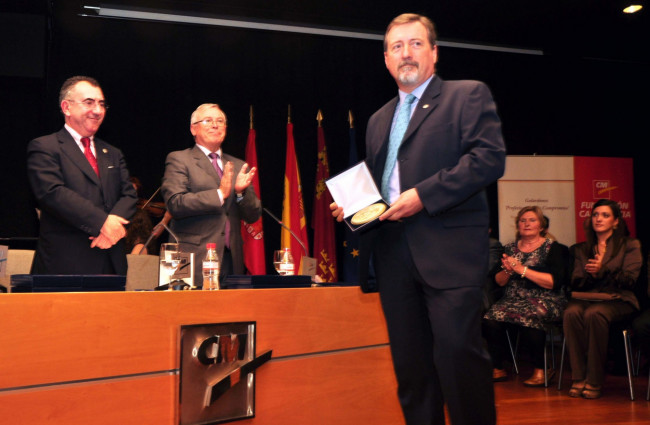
(342, 388)
(65, 337)
(145, 400)
(347, 388)
(112, 358)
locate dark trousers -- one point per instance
(435, 340)
(532, 339)
(586, 328)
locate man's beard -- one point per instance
(410, 76)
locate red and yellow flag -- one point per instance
(322, 221)
(253, 233)
(293, 208)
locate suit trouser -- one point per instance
(586, 328)
(435, 340)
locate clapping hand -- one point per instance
(244, 178)
(226, 180)
(594, 264)
(509, 263)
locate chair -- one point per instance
(19, 261)
(550, 329)
(142, 273)
(629, 361)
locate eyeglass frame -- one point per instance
(90, 106)
(209, 122)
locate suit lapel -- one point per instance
(204, 163)
(224, 159)
(103, 162)
(72, 151)
(426, 105)
(384, 123)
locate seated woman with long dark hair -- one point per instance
(606, 269)
(534, 271)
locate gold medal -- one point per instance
(368, 214)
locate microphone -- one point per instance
(308, 264)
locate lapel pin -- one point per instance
(425, 106)
(106, 150)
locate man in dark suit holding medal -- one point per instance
(82, 187)
(432, 150)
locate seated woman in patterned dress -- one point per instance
(534, 270)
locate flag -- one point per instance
(253, 233)
(322, 221)
(293, 209)
(351, 242)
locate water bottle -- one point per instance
(211, 268)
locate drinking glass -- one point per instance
(283, 262)
(170, 259)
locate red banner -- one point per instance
(293, 209)
(603, 178)
(253, 234)
(322, 221)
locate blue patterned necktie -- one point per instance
(214, 157)
(394, 141)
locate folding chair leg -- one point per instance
(559, 379)
(552, 342)
(628, 360)
(545, 368)
(512, 352)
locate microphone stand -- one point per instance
(156, 231)
(308, 263)
(285, 227)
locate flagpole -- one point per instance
(350, 267)
(293, 213)
(322, 222)
(253, 233)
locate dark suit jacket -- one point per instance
(190, 188)
(452, 149)
(74, 204)
(618, 274)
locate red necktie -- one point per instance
(89, 154)
(213, 157)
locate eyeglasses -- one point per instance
(209, 122)
(91, 103)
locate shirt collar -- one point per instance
(207, 151)
(77, 137)
(417, 92)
